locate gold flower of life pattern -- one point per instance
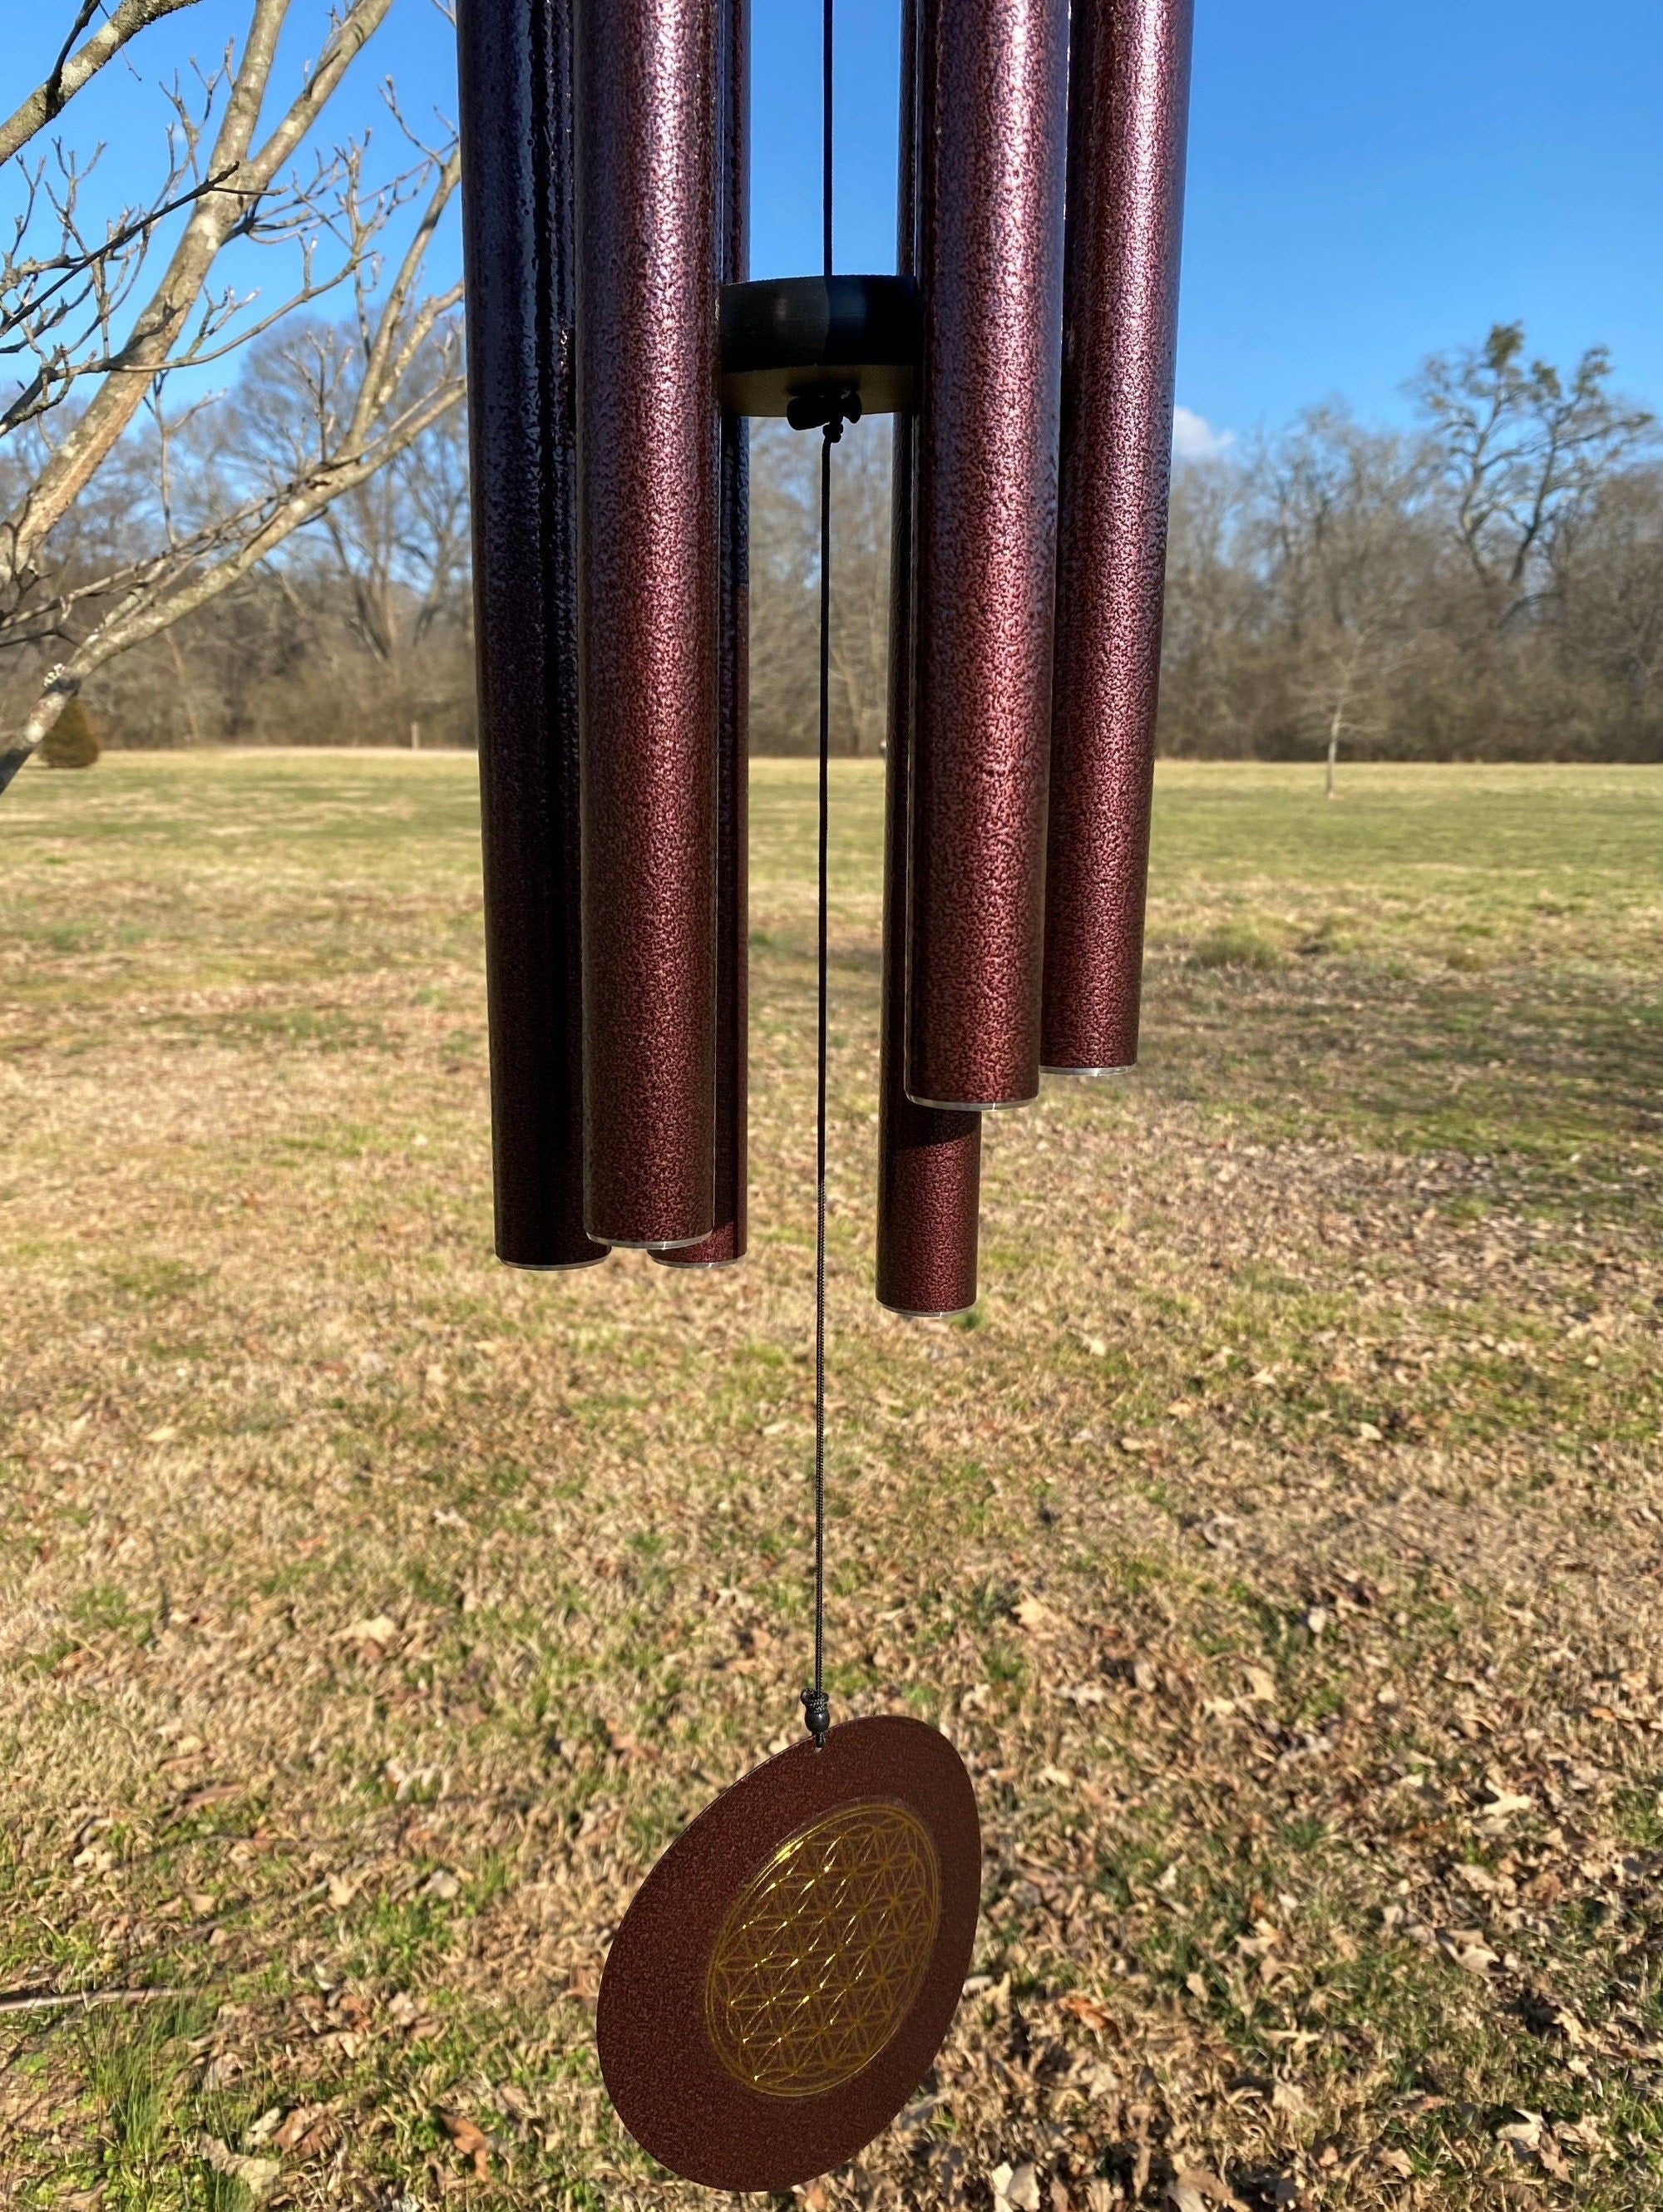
(823, 1950)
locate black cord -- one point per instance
(817, 1706)
(825, 134)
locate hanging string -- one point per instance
(817, 1706)
(826, 134)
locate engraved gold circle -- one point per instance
(823, 1951)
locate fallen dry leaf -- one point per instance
(1525, 2130)
(379, 1628)
(407, 2014)
(1018, 2187)
(290, 2130)
(471, 2140)
(1505, 1803)
(1208, 2187)
(1476, 1959)
(585, 1980)
(258, 2176)
(211, 1793)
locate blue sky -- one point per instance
(1368, 182)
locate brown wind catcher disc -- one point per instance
(785, 1976)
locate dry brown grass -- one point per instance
(1281, 1544)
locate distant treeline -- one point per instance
(1488, 584)
(1486, 587)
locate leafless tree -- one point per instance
(1615, 588)
(395, 545)
(97, 369)
(860, 587)
(1341, 522)
(784, 591)
(1524, 450)
(1214, 609)
(1488, 587)
(785, 587)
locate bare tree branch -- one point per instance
(36, 284)
(222, 213)
(76, 576)
(73, 69)
(408, 378)
(151, 608)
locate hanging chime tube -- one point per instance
(928, 1160)
(649, 464)
(515, 72)
(726, 1242)
(1129, 103)
(994, 95)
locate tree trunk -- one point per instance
(1333, 752)
(186, 692)
(46, 709)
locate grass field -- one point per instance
(1281, 1540)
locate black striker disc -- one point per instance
(785, 1976)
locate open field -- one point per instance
(1281, 1540)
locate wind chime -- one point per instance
(784, 1977)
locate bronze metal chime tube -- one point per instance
(516, 83)
(1128, 105)
(615, 350)
(648, 472)
(993, 101)
(928, 1160)
(727, 1241)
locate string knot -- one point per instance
(817, 1716)
(825, 407)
